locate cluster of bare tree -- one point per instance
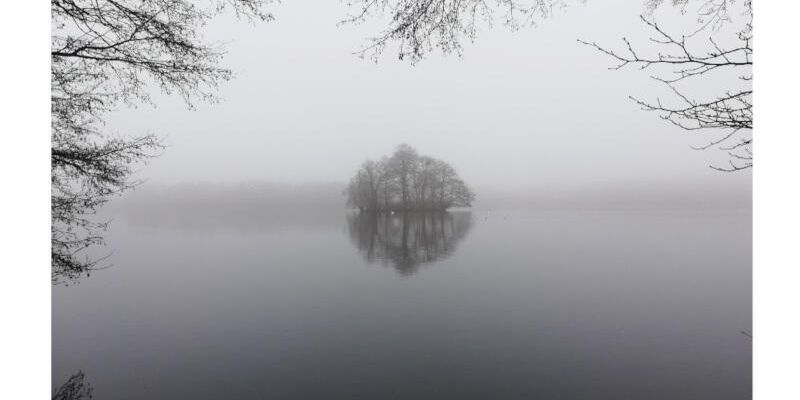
(407, 181)
(106, 53)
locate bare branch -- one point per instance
(675, 63)
(106, 53)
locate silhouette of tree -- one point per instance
(677, 64)
(403, 167)
(107, 53)
(75, 388)
(407, 181)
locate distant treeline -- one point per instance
(319, 195)
(407, 181)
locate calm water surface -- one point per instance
(245, 303)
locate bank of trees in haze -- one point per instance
(407, 181)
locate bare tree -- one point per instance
(728, 116)
(403, 166)
(418, 27)
(75, 388)
(407, 181)
(104, 54)
(366, 187)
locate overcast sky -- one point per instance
(525, 109)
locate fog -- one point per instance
(602, 257)
(525, 115)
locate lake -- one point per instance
(251, 303)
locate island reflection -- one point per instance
(408, 240)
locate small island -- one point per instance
(407, 181)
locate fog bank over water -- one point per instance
(722, 195)
(518, 110)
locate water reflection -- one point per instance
(408, 240)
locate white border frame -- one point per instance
(25, 188)
(24, 173)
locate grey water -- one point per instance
(257, 303)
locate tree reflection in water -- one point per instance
(408, 240)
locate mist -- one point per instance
(507, 222)
(522, 115)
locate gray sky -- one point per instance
(520, 110)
